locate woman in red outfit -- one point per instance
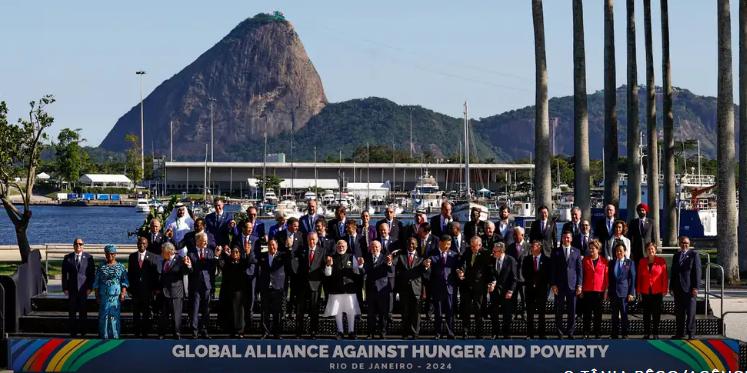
(594, 287)
(652, 284)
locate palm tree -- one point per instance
(727, 194)
(611, 182)
(742, 133)
(580, 114)
(634, 155)
(669, 220)
(542, 191)
(653, 146)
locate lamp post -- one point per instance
(142, 130)
(210, 171)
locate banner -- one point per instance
(282, 356)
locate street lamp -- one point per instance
(142, 131)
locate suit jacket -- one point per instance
(328, 245)
(171, 282)
(508, 237)
(389, 245)
(640, 234)
(595, 276)
(275, 276)
(218, 227)
(282, 238)
(443, 279)
(190, 242)
(409, 279)
(155, 240)
(143, 279)
(202, 277)
(567, 274)
(568, 227)
(256, 243)
(489, 242)
(600, 230)
(477, 275)
(333, 228)
(377, 274)
(461, 247)
(653, 281)
(356, 245)
(411, 231)
(78, 279)
(584, 247)
(472, 229)
(548, 237)
(506, 278)
(538, 280)
(436, 228)
(368, 236)
(306, 223)
(396, 228)
(428, 247)
(308, 276)
(622, 281)
(686, 272)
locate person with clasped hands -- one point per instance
(411, 272)
(342, 269)
(596, 283)
(621, 290)
(652, 284)
(172, 270)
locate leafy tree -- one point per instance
(132, 162)
(272, 182)
(20, 150)
(70, 156)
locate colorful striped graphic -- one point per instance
(701, 355)
(57, 354)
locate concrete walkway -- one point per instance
(735, 325)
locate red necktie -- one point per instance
(409, 260)
(166, 266)
(140, 261)
(536, 264)
(311, 257)
(202, 254)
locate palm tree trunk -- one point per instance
(580, 114)
(652, 135)
(543, 196)
(669, 219)
(611, 182)
(634, 142)
(727, 194)
(743, 133)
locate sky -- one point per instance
(435, 53)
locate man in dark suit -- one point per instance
(491, 237)
(443, 286)
(378, 269)
(259, 230)
(684, 282)
(459, 244)
(274, 275)
(155, 237)
(475, 226)
(143, 276)
(621, 276)
(411, 271)
(245, 238)
(308, 272)
(290, 239)
(367, 230)
(518, 249)
(307, 221)
(78, 272)
(217, 223)
(325, 240)
(356, 243)
(202, 283)
(504, 227)
(583, 238)
(189, 238)
(502, 285)
(427, 242)
(535, 270)
(389, 243)
(171, 270)
(337, 226)
(440, 221)
(566, 280)
(474, 276)
(543, 229)
(573, 226)
(640, 233)
(396, 230)
(605, 228)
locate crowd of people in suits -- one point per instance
(436, 267)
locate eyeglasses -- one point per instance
(78, 244)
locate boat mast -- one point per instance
(204, 186)
(466, 152)
(264, 169)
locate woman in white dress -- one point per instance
(343, 270)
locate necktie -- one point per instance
(583, 242)
(311, 257)
(269, 260)
(682, 257)
(609, 226)
(342, 228)
(575, 229)
(247, 245)
(619, 268)
(152, 237)
(202, 254)
(543, 226)
(536, 263)
(498, 266)
(350, 242)
(567, 253)
(166, 266)
(409, 260)
(642, 222)
(140, 260)
(77, 262)
(472, 261)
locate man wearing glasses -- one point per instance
(78, 272)
(582, 239)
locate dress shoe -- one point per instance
(194, 335)
(352, 336)
(624, 336)
(570, 336)
(338, 336)
(478, 336)
(241, 336)
(313, 336)
(277, 336)
(177, 336)
(438, 336)
(382, 336)
(465, 335)
(411, 337)
(205, 335)
(160, 337)
(370, 336)
(690, 336)
(298, 336)
(450, 336)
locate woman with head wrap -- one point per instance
(110, 287)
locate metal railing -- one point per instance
(58, 251)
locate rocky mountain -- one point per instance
(260, 78)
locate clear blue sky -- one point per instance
(432, 53)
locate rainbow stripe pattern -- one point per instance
(701, 355)
(56, 354)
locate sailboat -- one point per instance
(461, 211)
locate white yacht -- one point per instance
(426, 194)
(142, 205)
